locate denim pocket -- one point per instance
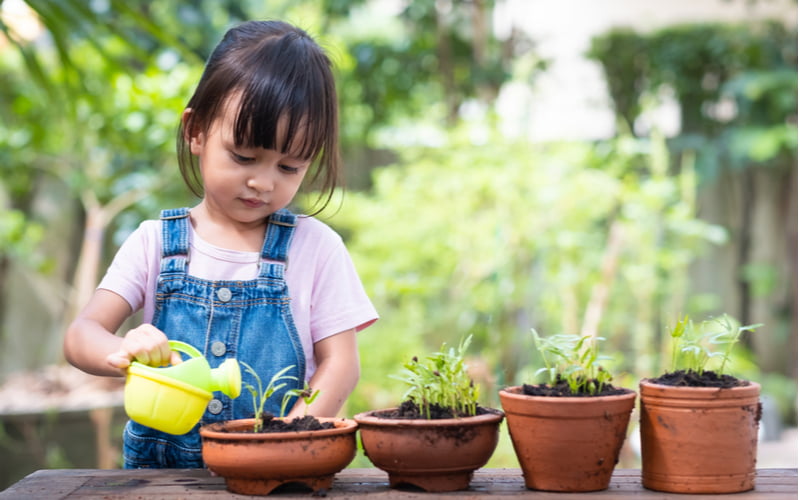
(144, 447)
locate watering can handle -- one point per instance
(185, 348)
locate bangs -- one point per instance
(286, 102)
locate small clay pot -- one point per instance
(435, 455)
(699, 439)
(567, 444)
(257, 463)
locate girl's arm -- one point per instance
(91, 345)
(337, 374)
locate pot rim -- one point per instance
(215, 430)
(515, 392)
(648, 381)
(647, 387)
(369, 418)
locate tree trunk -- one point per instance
(445, 55)
(86, 272)
(608, 270)
(743, 246)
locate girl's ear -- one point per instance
(190, 134)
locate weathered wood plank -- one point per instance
(43, 484)
(171, 484)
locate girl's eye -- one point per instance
(241, 159)
(289, 169)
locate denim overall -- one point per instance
(247, 320)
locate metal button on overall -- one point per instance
(218, 348)
(215, 406)
(224, 294)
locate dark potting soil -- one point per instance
(561, 389)
(306, 423)
(410, 410)
(684, 378)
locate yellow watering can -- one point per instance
(172, 399)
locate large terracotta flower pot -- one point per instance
(257, 463)
(435, 455)
(699, 439)
(567, 444)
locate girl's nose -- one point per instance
(261, 181)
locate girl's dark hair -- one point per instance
(281, 73)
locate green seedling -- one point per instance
(441, 379)
(262, 394)
(693, 347)
(574, 359)
(306, 394)
(683, 350)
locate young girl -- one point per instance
(239, 276)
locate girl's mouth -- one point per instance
(252, 202)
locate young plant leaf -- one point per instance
(261, 395)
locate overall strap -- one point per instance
(280, 229)
(174, 240)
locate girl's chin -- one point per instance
(250, 215)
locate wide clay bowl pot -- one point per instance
(699, 439)
(257, 463)
(435, 455)
(567, 444)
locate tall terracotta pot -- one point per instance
(567, 444)
(699, 439)
(257, 463)
(435, 455)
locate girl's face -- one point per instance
(242, 184)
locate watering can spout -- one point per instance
(227, 378)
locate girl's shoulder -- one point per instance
(143, 245)
(148, 233)
(316, 241)
(150, 227)
(314, 230)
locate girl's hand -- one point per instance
(145, 344)
(337, 374)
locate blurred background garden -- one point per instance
(586, 166)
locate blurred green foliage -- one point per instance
(494, 238)
(735, 84)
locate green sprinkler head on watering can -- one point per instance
(172, 399)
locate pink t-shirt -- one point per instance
(326, 294)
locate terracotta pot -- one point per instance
(435, 455)
(699, 439)
(568, 444)
(257, 463)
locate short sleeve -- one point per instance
(339, 301)
(328, 294)
(131, 273)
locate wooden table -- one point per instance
(771, 484)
